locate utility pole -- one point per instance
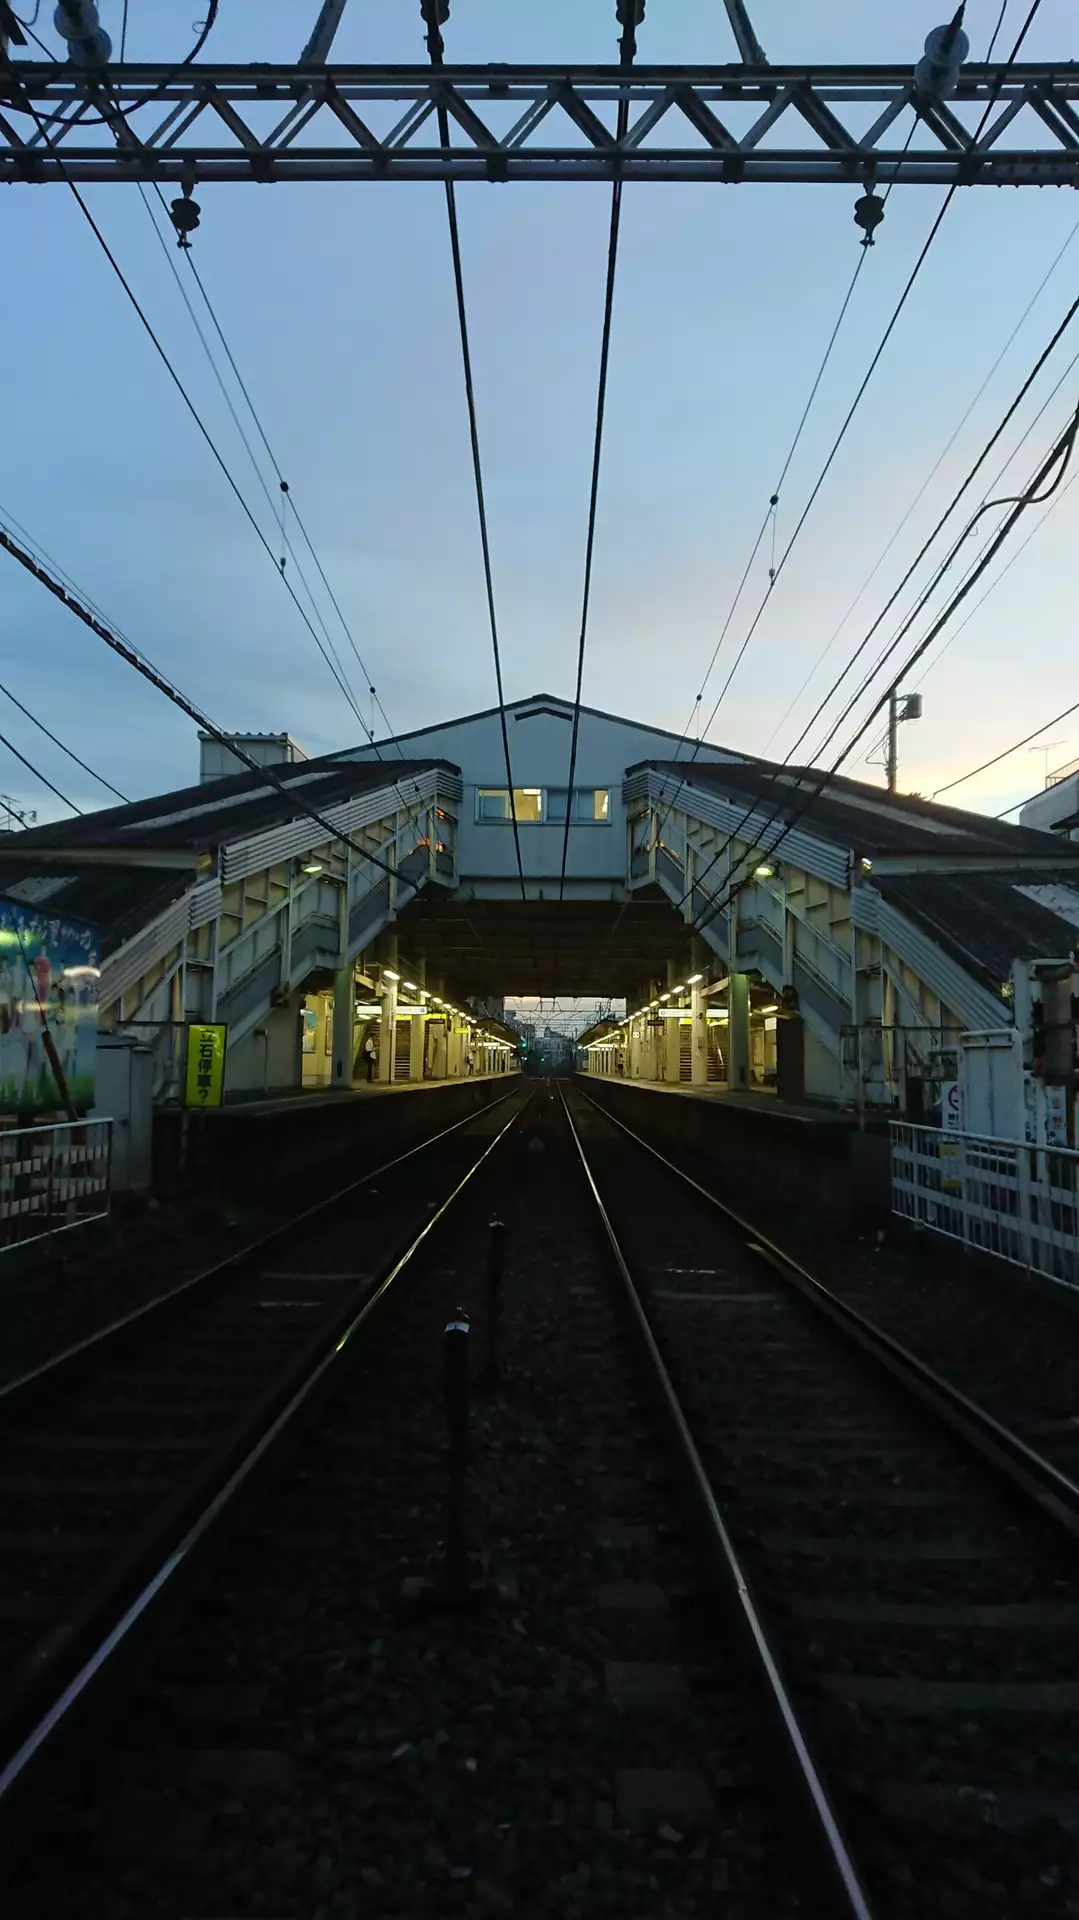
(901, 706)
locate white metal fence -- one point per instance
(52, 1178)
(1000, 1196)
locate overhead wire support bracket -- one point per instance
(203, 119)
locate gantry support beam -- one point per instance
(511, 122)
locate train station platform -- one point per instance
(316, 1141)
(287, 1099)
(783, 1156)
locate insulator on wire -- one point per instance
(435, 13)
(629, 13)
(946, 48)
(77, 22)
(868, 214)
(184, 214)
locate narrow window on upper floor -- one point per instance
(493, 803)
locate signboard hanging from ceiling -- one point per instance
(50, 971)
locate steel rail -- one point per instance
(54, 1694)
(1025, 1471)
(840, 1880)
(69, 1356)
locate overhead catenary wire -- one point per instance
(995, 582)
(70, 752)
(867, 377)
(285, 489)
(37, 773)
(328, 650)
(1009, 414)
(430, 10)
(134, 658)
(1058, 457)
(627, 52)
(1006, 752)
(919, 496)
(195, 415)
(155, 93)
(974, 571)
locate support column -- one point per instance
(672, 1033)
(387, 1029)
(698, 1009)
(415, 1047)
(344, 1026)
(439, 1060)
(738, 1032)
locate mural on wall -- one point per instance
(310, 1029)
(50, 966)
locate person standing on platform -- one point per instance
(369, 1056)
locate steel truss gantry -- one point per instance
(722, 123)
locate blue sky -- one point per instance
(337, 301)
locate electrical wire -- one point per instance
(71, 754)
(37, 773)
(1002, 425)
(288, 494)
(1059, 456)
(886, 336)
(57, 119)
(973, 572)
(133, 658)
(919, 496)
(436, 50)
(994, 584)
(328, 651)
(123, 34)
(1007, 752)
(192, 409)
(996, 30)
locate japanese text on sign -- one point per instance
(205, 1066)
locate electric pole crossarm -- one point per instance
(540, 123)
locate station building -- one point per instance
(877, 929)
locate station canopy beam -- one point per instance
(840, 124)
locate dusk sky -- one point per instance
(337, 302)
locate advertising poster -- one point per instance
(51, 965)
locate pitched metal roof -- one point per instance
(217, 812)
(863, 818)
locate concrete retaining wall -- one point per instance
(311, 1142)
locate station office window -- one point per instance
(536, 804)
(591, 804)
(493, 803)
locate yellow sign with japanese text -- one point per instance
(205, 1078)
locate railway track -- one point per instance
(915, 1562)
(112, 1449)
(761, 1634)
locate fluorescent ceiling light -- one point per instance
(389, 974)
(764, 872)
(410, 986)
(766, 1009)
(693, 979)
(312, 866)
(664, 996)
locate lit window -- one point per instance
(493, 803)
(601, 803)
